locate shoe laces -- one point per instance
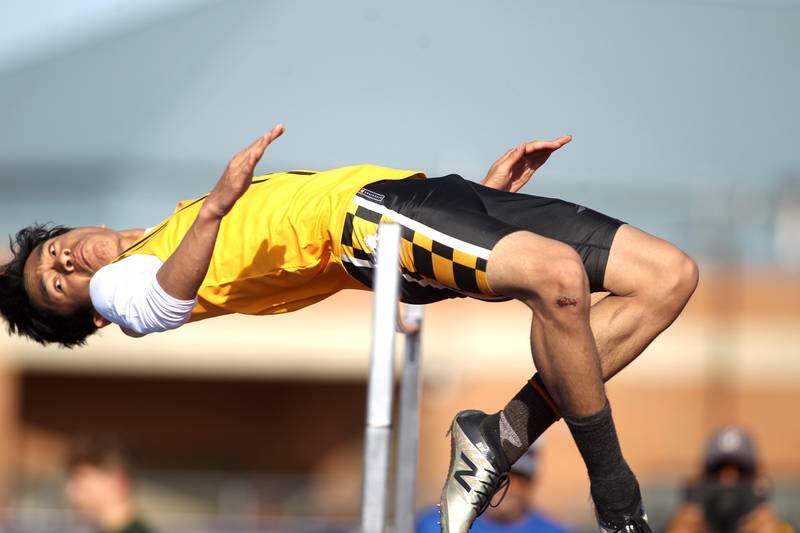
(497, 482)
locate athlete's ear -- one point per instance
(99, 320)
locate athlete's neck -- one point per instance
(129, 236)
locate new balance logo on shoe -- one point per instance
(460, 474)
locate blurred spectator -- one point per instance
(515, 513)
(731, 494)
(99, 485)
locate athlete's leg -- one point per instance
(650, 281)
(549, 277)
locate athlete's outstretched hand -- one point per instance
(182, 274)
(239, 174)
(516, 167)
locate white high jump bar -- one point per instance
(380, 392)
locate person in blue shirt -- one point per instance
(514, 514)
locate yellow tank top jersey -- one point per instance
(279, 248)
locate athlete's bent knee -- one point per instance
(569, 282)
(562, 285)
(543, 273)
(687, 276)
(678, 278)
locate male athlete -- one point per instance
(279, 242)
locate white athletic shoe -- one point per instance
(478, 470)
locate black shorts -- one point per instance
(450, 225)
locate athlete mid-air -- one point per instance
(277, 243)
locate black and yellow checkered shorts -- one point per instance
(450, 225)
(433, 266)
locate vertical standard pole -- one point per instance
(381, 381)
(408, 430)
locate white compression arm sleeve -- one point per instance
(127, 293)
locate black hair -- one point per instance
(16, 308)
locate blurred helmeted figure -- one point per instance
(99, 485)
(731, 494)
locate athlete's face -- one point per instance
(58, 271)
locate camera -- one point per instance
(724, 504)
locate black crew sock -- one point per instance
(523, 419)
(614, 488)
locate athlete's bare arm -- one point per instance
(182, 274)
(516, 167)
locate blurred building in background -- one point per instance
(684, 115)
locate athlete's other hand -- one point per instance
(516, 167)
(238, 174)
